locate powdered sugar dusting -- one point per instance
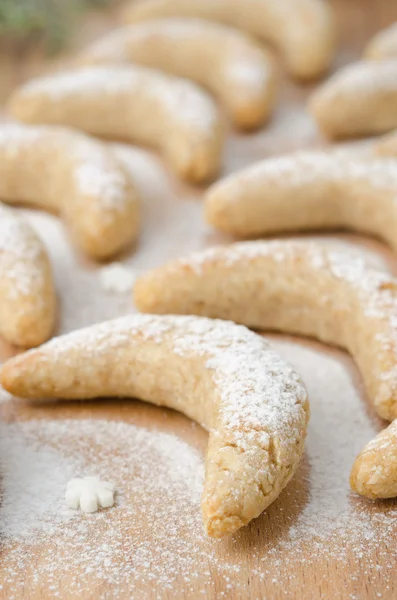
(20, 254)
(92, 167)
(154, 533)
(159, 481)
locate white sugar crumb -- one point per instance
(117, 278)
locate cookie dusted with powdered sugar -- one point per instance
(302, 30)
(76, 176)
(27, 292)
(306, 289)
(218, 373)
(229, 64)
(359, 100)
(308, 191)
(133, 103)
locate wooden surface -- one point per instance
(263, 560)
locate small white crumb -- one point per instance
(89, 493)
(117, 278)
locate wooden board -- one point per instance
(318, 540)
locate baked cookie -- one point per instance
(69, 173)
(308, 191)
(223, 60)
(374, 472)
(387, 145)
(132, 103)
(220, 374)
(300, 288)
(302, 30)
(359, 100)
(383, 44)
(27, 293)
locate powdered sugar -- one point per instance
(20, 255)
(153, 536)
(258, 391)
(96, 173)
(69, 156)
(38, 457)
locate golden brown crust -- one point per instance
(226, 62)
(217, 373)
(69, 173)
(132, 103)
(302, 30)
(27, 293)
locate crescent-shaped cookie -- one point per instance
(223, 60)
(308, 191)
(74, 175)
(27, 293)
(360, 99)
(132, 103)
(383, 44)
(219, 374)
(302, 30)
(294, 287)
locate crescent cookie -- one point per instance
(226, 62)
(308, 191)
(27, 294)
(220, 374)
(359, 100)
(383, 44)
(302, 30)
(295, 287)
(133, 103)
(74, 175)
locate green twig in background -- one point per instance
(49, 19)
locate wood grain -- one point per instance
(267, 565)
